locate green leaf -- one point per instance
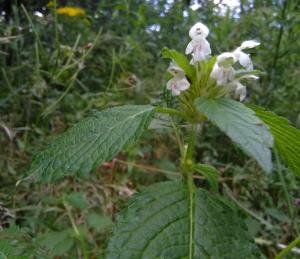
(241, 125)
(77, 200)
(98, 222)
(57, 243)
(210, 173)
(286, 137)
(181, 61)
(13, 244)
(156, 224)
(91, 142)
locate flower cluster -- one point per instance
(223, 71)
(226, 75)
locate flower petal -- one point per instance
(170, 84)
(198, 54)
(175, 70)
(201, 49)
(183, 84)
(240, 91)
(176, 85)
(249, 77)
(249, 44)
(189, 48)
(245, 61)
(224, 74)
(199, 29)
(175, 92)
(226, 59)
(215, 71)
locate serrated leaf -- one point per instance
(241, 125)
(181, 61)
(91, 142)
(156, 224)
(210, 173)
(286, 137)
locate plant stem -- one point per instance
(76, 231)
(191, 144)
(57, 44)
(112, 72)
(11, 89)
(288, 248)
(170, 111)
(278, 42)
(68, 65)
(36, 34)
(191, 188)
(177, 136)
(186, 167)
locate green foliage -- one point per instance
(241, 125)
(47, 82)
(210, 173)
(181, 61)
(98, 222)
(15, 243)
(157, 225)
(92, 141)
(57, 243)
(286, 137)
(77, 200)
(6, 246)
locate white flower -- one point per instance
(198, 46)
(175, 70)
(199, 29)
(223, 71)
(179, 82)
(177, 85)
(242, 57)
(240, 90)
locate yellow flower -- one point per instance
(71, 11)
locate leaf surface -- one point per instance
(286, 137)
(91, 142)
(57, 243)
(181, 61)
(156, 224)
(210, 173)
(242, 125)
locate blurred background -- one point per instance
(59, 60)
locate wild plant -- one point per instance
(179, 219)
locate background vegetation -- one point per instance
(56, 68)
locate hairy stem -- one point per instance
(187, 162)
